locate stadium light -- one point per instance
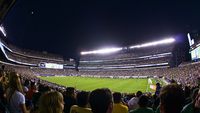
(102, 51)
(3, 30)
(189, 39)
(165, 41)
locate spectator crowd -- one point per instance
(22, 92)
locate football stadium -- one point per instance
(116, 70)
(149, 75)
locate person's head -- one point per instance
(1, 73)
(82, 98)
(51, 102)
(171, 99)
(26, 83)
(32, 84)
(173, 81)
(40, 88)
(46, 88)
(139, 93)
(158, 84)
(15, 82)
(101, 101)
(70, 91)
(3, 67)
(143, 101)
(117, 97)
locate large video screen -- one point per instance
(195, 54)
(51, 65)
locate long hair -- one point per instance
(51, 102)
(14, 84)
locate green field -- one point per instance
(88, 84)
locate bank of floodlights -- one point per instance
(112, 50)
(102, 51)
(155, 43)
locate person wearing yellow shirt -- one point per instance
(118, 106)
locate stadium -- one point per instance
(124, 65)
(127, 69)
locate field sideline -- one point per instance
(89, 84)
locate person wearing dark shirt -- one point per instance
(191, 107)
(69, 99)
(158, 88)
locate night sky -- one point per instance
(67, 27)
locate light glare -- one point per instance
(102, 51)
(165, 41)
(189, 39)
(3, 30)
(111, 50)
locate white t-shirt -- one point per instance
(133, 103)
(16, 100)
(25, 89)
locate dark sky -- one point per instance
(67, 27)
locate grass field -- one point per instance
(89, 84)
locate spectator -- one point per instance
(51, 102)
(190, 108)
(41, 90)
(158, 88)
(26, 86)
(133, 103)
(171, 99)
(143, 106)
(31, 91)
(101, 101)
(82, 103)
(119, 107)
(69, 98)
(15, 96)
(156, 101)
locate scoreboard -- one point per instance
(195, 53)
